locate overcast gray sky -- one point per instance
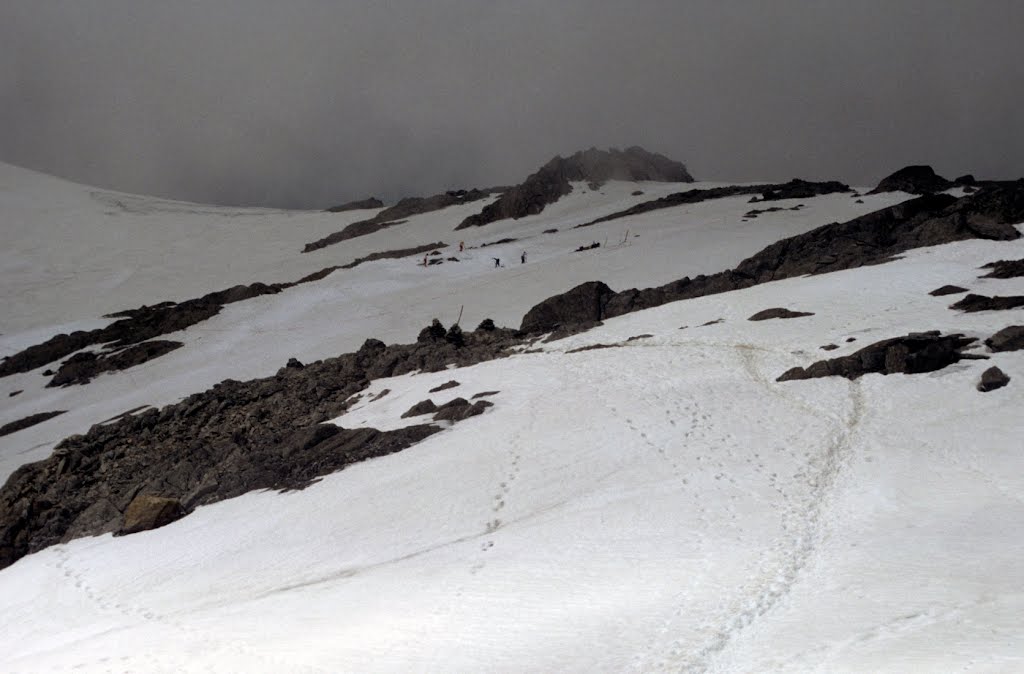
(307, 104)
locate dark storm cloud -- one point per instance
(306, 104)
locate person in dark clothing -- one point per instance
(522, 258)
(497, 261)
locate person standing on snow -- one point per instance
(497, 261)
(522, 258)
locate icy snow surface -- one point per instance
(662, 505)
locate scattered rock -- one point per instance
(422, 407)
(1010, 338)
(913, 180)
(380, 395)
(851, 339)
(550, 231)
(590, 247)
(915, 353)
(714, 322)
(460, 409)
(966, 179)
(778, 312)
(829, 347)
(643, 336)
(14, 393)
(993, 378)
(947, 290)
(444, 386)
(294, 363)
(372, 202)
(147, 512)
(484, 394)
(487, 325)
(26, 422)
(636, 193)
(973, 303)
(1004, 269)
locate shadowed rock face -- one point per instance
(551, 182)
(82, 367)
(233, 438)
(912, 354)
(913, 180)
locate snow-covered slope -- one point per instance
(661, 505)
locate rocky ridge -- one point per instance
(552, 181)
(233, 438)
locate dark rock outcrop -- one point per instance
(233, 438)
(147, 512)
(552, 181)
(778, 312)
(362, 204)
(947, 290)
(993, 378)
(870, 239)
(1004, 269)
(582, 304)
(82, 367)
(794, 189)
(26, 422)
(913, 180)
(445, 386)
(972, 303)
(912, 354)
(1010, 338)
(399, 213)
(395, 254)
(460, 409)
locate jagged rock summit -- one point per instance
(552, 181)
(913, 180)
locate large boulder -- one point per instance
(913, 180)
(581, 305)
(1010, 338)
(147, 512)
(993, 378)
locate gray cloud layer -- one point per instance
(307, 103)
